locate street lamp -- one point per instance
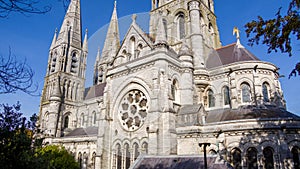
(204, 149)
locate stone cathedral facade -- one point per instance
(160, 94)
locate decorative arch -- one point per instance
(66, 123)
(74, 61)
(118, 157)
(93, 161)
(175, 90)
(265, 91)
(295, 155)
(236, 158)
(136, 151)
(127, 155)
(180, 21)
(82, 120)
(211, 98)
(251, 158)
(132, 47)
(246, 92)
(226, 95)
(94, 118)
(145, 147)
(268, 153)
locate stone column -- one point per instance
(196, 34)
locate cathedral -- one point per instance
(171, 98)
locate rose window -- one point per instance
(133, 110)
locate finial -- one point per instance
(86, 31)
(115, 5)
(134, 16)
(56, 30)
(236, 32)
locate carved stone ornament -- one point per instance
(133, 110)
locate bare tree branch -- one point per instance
(22, 6)
(16, 76)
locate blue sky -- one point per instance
(30, 37)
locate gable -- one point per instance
(134, 45)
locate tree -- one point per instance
(53, 156)
(15, 76)
(19, 148)
(16, 138)
(277, 33)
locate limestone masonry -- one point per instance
(156, 96)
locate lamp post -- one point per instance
(204, 149)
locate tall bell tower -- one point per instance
(192, 20)
(64, 81)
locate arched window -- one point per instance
(53, 65)
(145, 147)
(136, 151)
(132, 47)
(181, 25)
(246, 93)
(119, 157)
(252, 158)
(268, 158)
(295, 153)
(74, 63)
(174, 91)
(226, 95)
(93, 160)
(157, 3)
(94, 118)
(127, 156)
(80, 159)
(211, 98)
(139, 49)
(82, 120)
(66, 122)
(85, 160)
(236, 158)
(265, 92)
(165, 27)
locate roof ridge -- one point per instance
(222, 47)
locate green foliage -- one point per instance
(15, 138)
(53, 156)
(277, 33)
(19, 148)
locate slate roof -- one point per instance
(190, 109)
(89, 131)
(229, 54)
(249, 112)
(179, 162)
(94, 91)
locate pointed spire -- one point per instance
(54, 39)
(85, 42)
(72, 25)
(112, 42)
(161, 37)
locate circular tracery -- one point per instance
(133, 110)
